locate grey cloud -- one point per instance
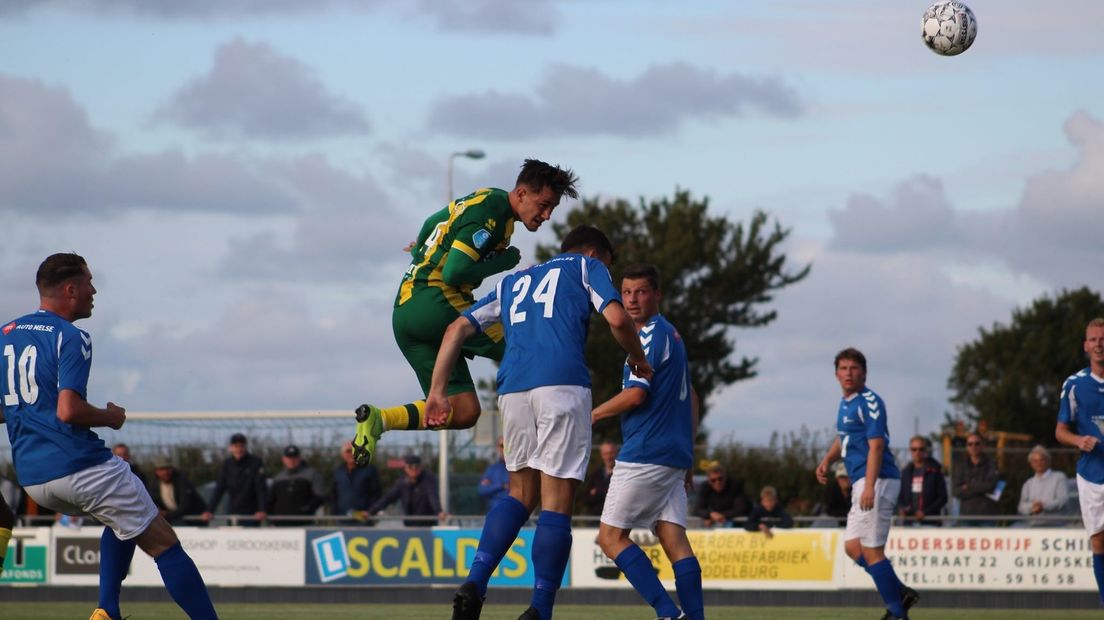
(253, 91)
(916, 215)
(579, 101)
(540, 17)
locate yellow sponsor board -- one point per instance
(727, 555)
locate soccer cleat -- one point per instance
(99, 614)
(466, 603)
(889, 616)
(681, 616)
(368, 431)
(909, 597)
(530, 614)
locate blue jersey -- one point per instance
(862, 416)
(1082, 409)
(545, 314)
(43, 355)
(659, 432)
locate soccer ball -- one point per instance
(949, 27)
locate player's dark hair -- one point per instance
(537, 175)
(585, 237)
(641, 271)
(58, 268)
(851, 354)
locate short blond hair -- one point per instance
(1097, 322)
(768, 491)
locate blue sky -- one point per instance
(242, 174)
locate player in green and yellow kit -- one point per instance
(456, 249)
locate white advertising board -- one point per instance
(235, 557)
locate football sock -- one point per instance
(638, 570)
(551, 550)
(5, 536)
(861, 562)
(184, 583)
(1098, 572)
(500, 529)
(688, 584)
(885, 580)
(115, 556)
(408, 417)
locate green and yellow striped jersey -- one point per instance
(479, 225)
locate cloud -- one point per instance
(540, 17)
(917, 215)
(253, 91)
(579, 101)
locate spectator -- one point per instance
(923, 487)
(597, 482)
(837, 494)
(297, 490)
(768, 512)
(1045, 493)
(975, 482)
(720, 498)
(174, 495)
(243, 479)
(355, 488)
(122, 451)
(417, 491)
(495, 484)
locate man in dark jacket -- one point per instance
(417, 490)
(975, 478)
(297, 490)
(923, 487)
(174, 495)
(243, 479)
(720, 498)
(355, 488)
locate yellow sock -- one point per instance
(5, 536)
(409, 417)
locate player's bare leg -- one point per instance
(373, 421)
(869, 556)
(7, 522)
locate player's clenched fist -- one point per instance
(118, 415)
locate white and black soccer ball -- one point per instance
(949, 27)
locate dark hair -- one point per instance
(585, 237)
(641, 271)
(536, 175)
(853, 355)
(57, 268)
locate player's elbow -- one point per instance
(635, 396)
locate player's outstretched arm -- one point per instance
(437, 405)
(624, 332)
(73, 409)
(833, 453)
(626, 400)
(462, 268)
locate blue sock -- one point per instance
(861, 562)
(688, 584)
(500, 529)
(551, 550)
(184, 583)
(638, 570)
(1098, 571)
(885, 579)
(115, 556)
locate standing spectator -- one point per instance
(768, 512)
(417, 491)
(1044, 493)
(122, 451)
(243, 479)
(297, 490)
(597, 483)
(837, 494)
(975, 479)
(355, 488)
(495, 484)
(174, 495)
(923, 487)
(720, 498)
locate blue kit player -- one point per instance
(863, 444)
(648, 488)
(544, 396)
(1080, 419)
(65, 466)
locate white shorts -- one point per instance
(547, 429)
(871, 527)
(1091, 497)
(110, 492)
(641, 494)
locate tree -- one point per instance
(1011, 375)
(715, 275)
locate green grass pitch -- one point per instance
(165, 611)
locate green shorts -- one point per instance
(419, 325)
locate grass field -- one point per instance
(163, 611)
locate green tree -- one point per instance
(715, 275)
(1010, 376)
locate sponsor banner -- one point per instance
(27, 559)
(233, 556)
(75, 555)
(730, 558)
(412, 556)
(985, 559)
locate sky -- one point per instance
(242, 175)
